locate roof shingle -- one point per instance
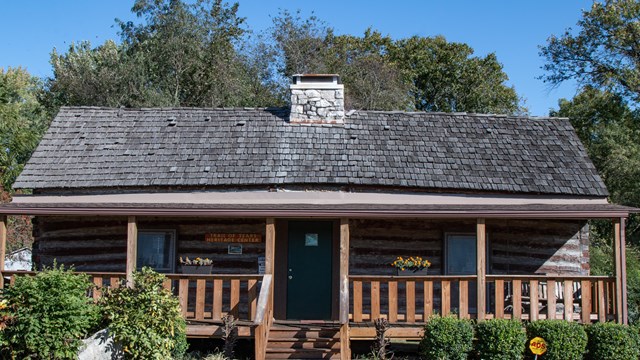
(88, 147)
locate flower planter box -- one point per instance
(197, 269)
(408, 272)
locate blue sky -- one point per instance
(512, 29)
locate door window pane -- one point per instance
(155, 250)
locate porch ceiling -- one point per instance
(377, 207)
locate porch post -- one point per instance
(481, 257)
(345, 341)
(269, 246)
(3, 246)
(132, 248)
(269, 252)
(620, 264)
(623, 260)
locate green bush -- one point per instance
(51, 314)
(146, 320)
(500, 339)
(612, 341)
(565, 340)
(446, 338)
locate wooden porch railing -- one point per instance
(203, 298)
(263, 317)
(533, 297)
(413, 299)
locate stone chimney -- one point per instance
(317, 99)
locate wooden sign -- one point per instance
(233, 238)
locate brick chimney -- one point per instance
(317, 98)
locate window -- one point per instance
(460, 252)
(156, 249)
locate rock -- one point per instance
(100, 346)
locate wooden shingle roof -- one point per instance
(89, 147)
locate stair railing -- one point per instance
(264, 317)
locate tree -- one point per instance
(22, 122)
(446, 77)
(604, 52)
(380, 73)
(180, 54)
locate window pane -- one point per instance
(461, 255)
(154, 250)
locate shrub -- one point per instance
(51, 314)
(565, 340)
(446, 338)
(146, 320)
(501, 339)
(612, 341)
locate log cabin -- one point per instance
(303, 210)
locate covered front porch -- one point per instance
(362, 286)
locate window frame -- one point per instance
(172, 248)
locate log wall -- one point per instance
(99, 244)
(514, 246)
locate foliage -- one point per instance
(447, 77)
(412, 263)
(179, 54)
(604, 52)
(446, 338)
(229, 335)
(146, 319)
(500, 339)
(22, 122)
(380, 73)
(51, 313)
(612, 341)
(380, 350)
(565, 340)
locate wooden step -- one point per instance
(295, 343)
(303, 332)
(296, 340)
(302, 353)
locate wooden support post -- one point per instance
(617, 246)
(623, 261)
(481, 262)
(269, 247)
(345, 341)
(132, 249)
(3, 246)
(620, 262)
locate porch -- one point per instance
(357, 295)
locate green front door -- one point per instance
(309, 270)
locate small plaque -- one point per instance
(235, 249)
(310, 239)
(262, 265)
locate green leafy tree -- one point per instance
(179, 54)
(447, 77)
(22, 122)
(51, 314)
(603, 52)
(145, 319)
(380, 73)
